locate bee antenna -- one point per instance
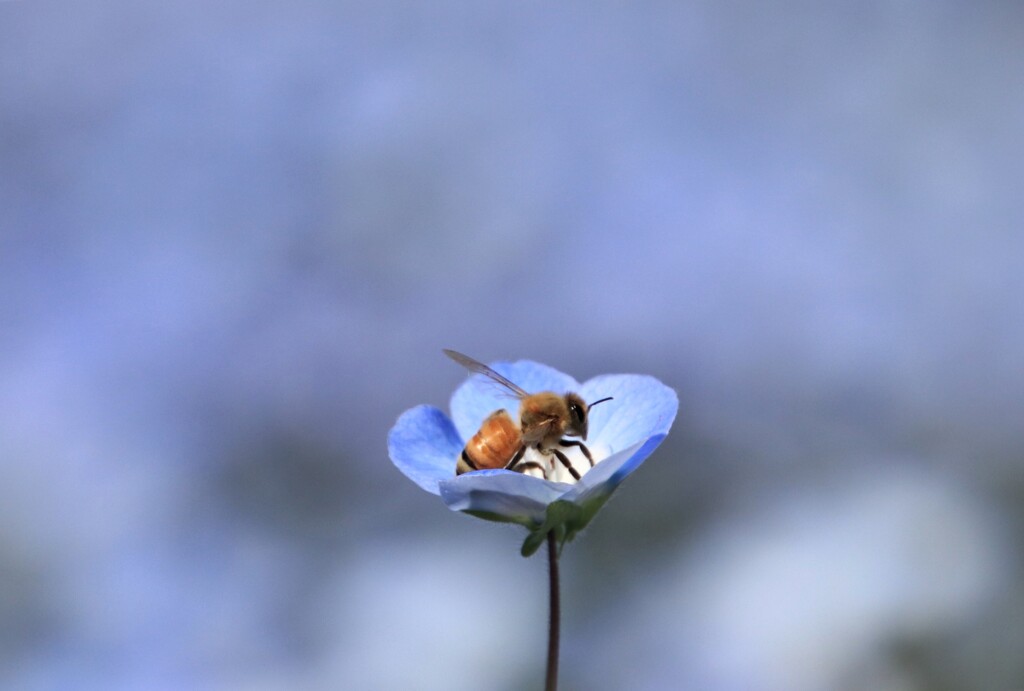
(596, 402)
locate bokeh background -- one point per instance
(234, 237)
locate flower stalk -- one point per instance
(554, 620)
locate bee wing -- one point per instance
(480, 368)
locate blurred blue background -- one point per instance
(234, 237)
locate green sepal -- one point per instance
(565, 518)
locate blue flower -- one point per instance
(425, 443)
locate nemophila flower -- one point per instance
(425, 445)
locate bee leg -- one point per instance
(565, 461)
(521, 466)
(529, 465)
(515, 459)
(583, 448)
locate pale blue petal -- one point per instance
(514, 496)
(643, 407)
(603, 478)
(478, 396)
(424, 445)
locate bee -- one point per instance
(544, 420)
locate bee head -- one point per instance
(577, 426)
(578, 414)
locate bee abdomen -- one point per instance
(493, 446)
(465, 464)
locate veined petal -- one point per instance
(424, 445)
(478, 396)
(502, 494)
(642, 407)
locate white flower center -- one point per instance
(556, 471)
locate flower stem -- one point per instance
(553, 621)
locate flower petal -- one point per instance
(642, 407)
(603, 478)
(424, 445)
(502, 494)
(478, 396)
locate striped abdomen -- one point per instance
(493, 446)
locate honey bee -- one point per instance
(544, 420)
